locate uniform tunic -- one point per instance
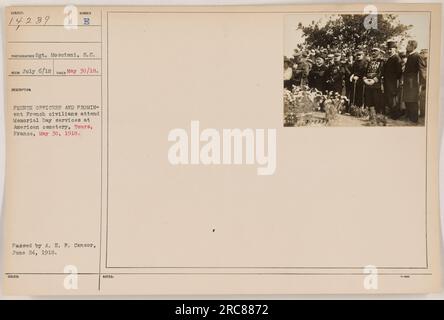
(358, 69)
(335, 76)
(372, 93)
(316, 77)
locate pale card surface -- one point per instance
(121, 178)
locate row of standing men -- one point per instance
(392, 83)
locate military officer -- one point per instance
(358, 69)
(301, 71)
(372, 82)
(347, 64)
(335, 74)
(330, 60)
(316, 76)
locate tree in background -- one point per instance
(348, 32)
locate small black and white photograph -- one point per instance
(352, 70)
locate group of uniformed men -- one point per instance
(391, 82)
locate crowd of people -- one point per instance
(382, 79)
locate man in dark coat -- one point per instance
(330, 60)
(422, 95)
(347, 64)
(391, 74)
(316, 76)
(302, 69)
(414, 77)
(335, 74)
(358, 69)
(288, 74)
(372, 82)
